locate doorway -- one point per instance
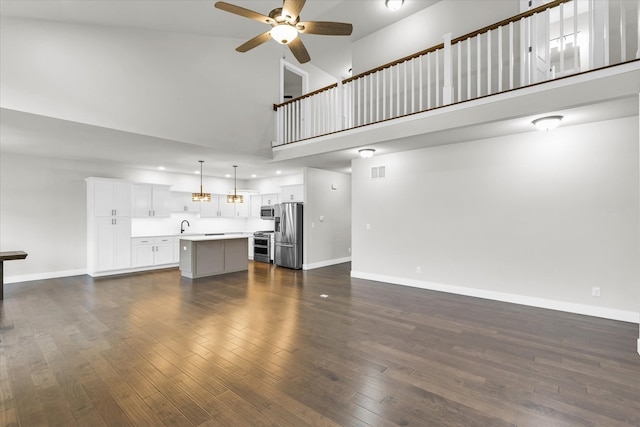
(294, 82)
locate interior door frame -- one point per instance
(284, 65)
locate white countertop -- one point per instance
(185, 235)
(202, 237)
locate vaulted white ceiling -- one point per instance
(150, 83)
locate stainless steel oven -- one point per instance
(263, 246)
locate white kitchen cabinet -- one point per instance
(227, 210)
(255, 203)
(110, 197)
(292, 193)
(250, 244)
(111, 243)
(270, 199)
(108, 225)
(182, 202)
(151, 251)
(243, 209)
(150, 201)
(218, 207)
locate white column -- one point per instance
(447, 88)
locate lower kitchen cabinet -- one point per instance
(150, 251)
(111, 244)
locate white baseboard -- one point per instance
(43, 276)
(325, 263)
(589, 310)
(132, 270)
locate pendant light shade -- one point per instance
(201, 196)
(235, 198)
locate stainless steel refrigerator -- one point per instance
(288, 235)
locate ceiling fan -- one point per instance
(285, 27)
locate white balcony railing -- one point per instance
(561, 38)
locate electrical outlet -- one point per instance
(368, 226)
(418, 269)
(595, 292)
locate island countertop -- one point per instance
(202, 238)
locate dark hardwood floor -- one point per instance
(264, 348)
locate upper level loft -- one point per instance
(566, 53)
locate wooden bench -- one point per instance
(8, 256)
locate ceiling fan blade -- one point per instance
(325, 28)
(292, 8)
(227, 7)
(254, 42)
(299, 51)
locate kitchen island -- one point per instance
(202, 256)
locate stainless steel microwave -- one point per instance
(267, 212)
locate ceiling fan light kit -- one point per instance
(284, 33)
(285, 27)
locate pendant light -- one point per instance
(235, 198)
(201, 197)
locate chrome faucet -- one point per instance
(182, 225)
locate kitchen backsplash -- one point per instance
(171, 226)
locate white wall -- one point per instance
(327, 218)
(537, 218)
(425, 29)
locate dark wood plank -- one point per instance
(263, 348)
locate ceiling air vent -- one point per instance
(378, 172)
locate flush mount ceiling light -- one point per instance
(235, 198)
(547, 123)
(201, 197)
(284, 33)
(366, 153)
(394, 5)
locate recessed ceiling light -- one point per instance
(279, 172)
(196, 172)
(227, 175)
(161, 168)
(253, 175)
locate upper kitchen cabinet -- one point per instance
(243, 209)
(292, 193)
(182, 202)
(269, 199)
(217, 207)
(150, 201)
(109, 197)
(255, 202)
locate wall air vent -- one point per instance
(378, 172)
